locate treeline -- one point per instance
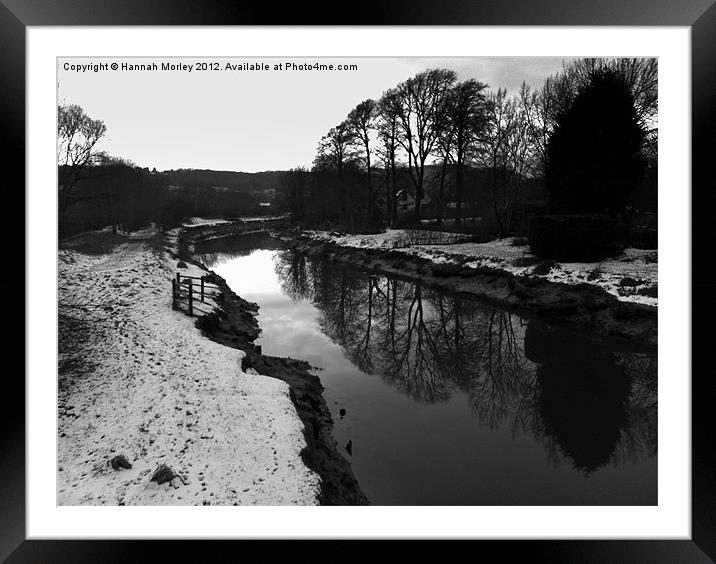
(237, 181)
(436, 148)
(115, 192)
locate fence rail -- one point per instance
(187, 295)
(429, 237)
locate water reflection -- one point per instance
(214, 251)
(587, 404)
(582, 395)
(450, 401)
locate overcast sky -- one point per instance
(250, 120)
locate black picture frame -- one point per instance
(699, 15)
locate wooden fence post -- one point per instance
(191, 300)
(178, 279)
(174, 293)
(202, 289)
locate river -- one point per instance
(444, 400)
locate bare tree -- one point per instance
(334, 152)
(538, 106)
(294, 182)
(77, 135)
(507, 151)
(421, 119)
(360, 122)
(388, 111)
(445, 145)
(467, 114)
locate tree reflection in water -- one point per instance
(582, 394)
(587, 404)
(220, 249)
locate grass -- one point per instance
(163, 474)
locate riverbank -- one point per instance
(617, 297)
(182, 240)
(150, 411)
(234, 324)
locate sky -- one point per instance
(243, 120)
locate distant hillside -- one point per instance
(235, 181)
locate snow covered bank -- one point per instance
(630, 277)
(146, 385)
(202, 221)
(196, 221)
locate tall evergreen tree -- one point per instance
(594, 162)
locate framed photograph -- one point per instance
(395, 278)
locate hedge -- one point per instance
(573, 237)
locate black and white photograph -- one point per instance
(357, 281)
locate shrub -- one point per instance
(629, 281)
(594, 274)
(372, 228)
(650, 291)
(641, 237)
(163, 474)
(407, 220)
(120, 462)
(544, 268)
(651, 258)
(209, 322)
(573, 237)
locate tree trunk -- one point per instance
(394, 190)
(495, 205)
(388, 201)
(370, 183)
(418, 201)
(458, 192)
(347, 207)
(418, 194)
(441, 198)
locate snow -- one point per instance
(249, 218)
(202, 221)
(197, 221)
(636, 264)
(623, 276)
(387, 240)
(153, 389)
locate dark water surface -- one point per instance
(449, 401)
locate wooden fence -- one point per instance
(190, 292)
(430, 237)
